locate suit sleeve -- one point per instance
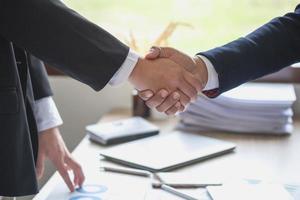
(61, 37)
(268, 49)
(39, 78)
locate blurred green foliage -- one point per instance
(215, 22)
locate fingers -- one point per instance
(188, 89)
(170, 101)
(40, 165)
(166, 52)
(160, 52)
(164, 102)
(53, 146)
(157, 99)
(174, 109)
(184, 99)
(179, 106)
(146, 94)
(77, 170)
(181, 109)
(63, 171)
(63, 166)
(175, 102)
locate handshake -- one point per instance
(168, 80)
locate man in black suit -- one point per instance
(61, 37)
(29, 124)
(268, 49)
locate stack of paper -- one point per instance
(250, 108)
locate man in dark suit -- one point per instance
(28, 122)
(268, 49)
(61, 37)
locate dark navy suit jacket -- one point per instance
(268, 49)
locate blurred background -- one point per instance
(206, 24)
(214, 22)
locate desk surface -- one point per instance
(275, 158)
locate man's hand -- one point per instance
(165, 73)
(166, 102)
(52, 146)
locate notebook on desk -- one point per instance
(121, 131)
(167, 152)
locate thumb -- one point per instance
(153, 53)
(161, 52)
(40, 165)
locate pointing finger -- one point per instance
(77, 170)
(65, 175)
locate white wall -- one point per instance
(79, 105)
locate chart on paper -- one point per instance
(104, 186)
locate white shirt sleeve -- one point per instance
(125, 70)
(46, 114)
(213, 80)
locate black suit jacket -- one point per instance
(268, 49)
(22, 81)
(61, 37)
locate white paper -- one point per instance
(250, 108)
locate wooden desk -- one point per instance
(264, 157)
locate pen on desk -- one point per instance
(176, 192)
(185, 185)
(135, 172)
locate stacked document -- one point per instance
(250, 108)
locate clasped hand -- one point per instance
(168, 80)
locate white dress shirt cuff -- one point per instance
(125, 70)
(46, 114)
(213, 80)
